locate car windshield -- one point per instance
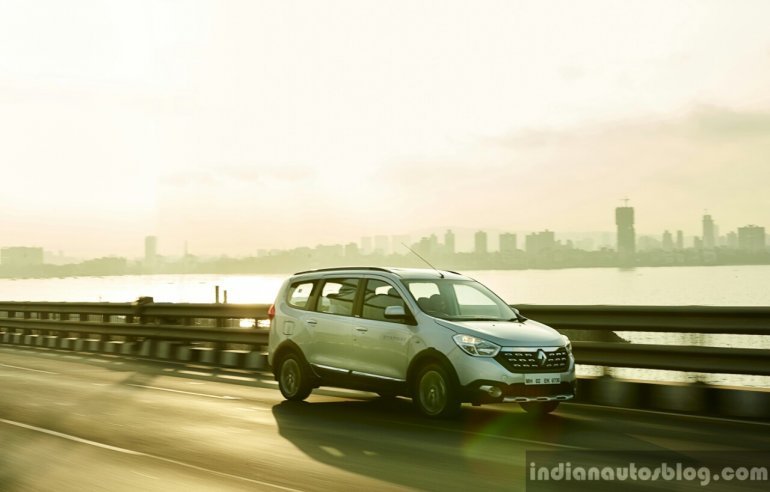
(459, 300)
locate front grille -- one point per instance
(527, 362)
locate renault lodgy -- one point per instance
(438, 337)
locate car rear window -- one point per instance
(299, 294)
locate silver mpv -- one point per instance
(438, 337)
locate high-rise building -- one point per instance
(427, 246)
(709, 233)
(507, 242)
(366, 245)
(751, 238)
(540, 242)
(351, 250)
(480, 243)
(668, 241)
(449, 242)
(381, 245)
(624, 220)
(679, 240)
(150, 249)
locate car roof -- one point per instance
(403, 273)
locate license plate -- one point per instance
(542, 379)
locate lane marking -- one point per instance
(70, 438)
(185, 392)
(144, 475)
(146, 455)
(236, 378)
(196, 373)
(28, 369)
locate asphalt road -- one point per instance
(77, 422)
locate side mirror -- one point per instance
(395, 312)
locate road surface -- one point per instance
(78, 422)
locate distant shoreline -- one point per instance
(74, 273)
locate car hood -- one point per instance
(529, 333)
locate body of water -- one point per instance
(745, 285)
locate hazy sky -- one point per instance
(241, 125)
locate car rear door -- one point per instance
(330, 326)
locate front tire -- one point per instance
(539, 407)
(435, 394)
(294, 378)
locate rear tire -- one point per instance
(294, 379)
(539, 407)
(434, 393)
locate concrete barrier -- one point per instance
(129, 348)
(256, 360)
(168, 350)
(67, 343)
(744, 404)
(31, 339)
(234, 358)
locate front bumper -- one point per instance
(485, 380)
(493, 392)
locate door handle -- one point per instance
(361, 329)
(311, 322)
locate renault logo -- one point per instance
(541, 358)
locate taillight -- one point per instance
(271, 312)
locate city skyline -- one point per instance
(465, 241)
(627, 249)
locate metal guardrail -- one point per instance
(213, 323)
(658, 319)
(605, 320)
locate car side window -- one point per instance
(377, 296)
(338, 296)
(299, 294)
(423, 292)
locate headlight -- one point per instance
(567, 343)
(476, 346)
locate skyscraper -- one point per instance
(150, 249)
(679, 240)
(507, 242)
(366, 245)
(449, 242)
(540, 242)
(668, 241)
(709, 236)
(480, 242)
(381, 245)
(624, 220)
(751, 238)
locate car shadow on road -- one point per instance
(484, 447)
(387, 440)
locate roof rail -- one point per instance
(332, 269)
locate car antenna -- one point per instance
(423, 259)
